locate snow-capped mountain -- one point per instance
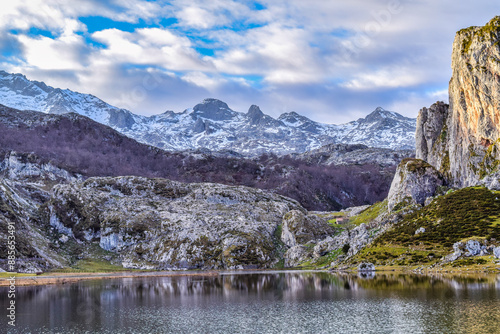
(212, 125)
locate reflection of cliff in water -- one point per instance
(139, 302)
(285, 285)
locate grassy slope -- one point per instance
(469, 213)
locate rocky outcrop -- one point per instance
(366, 267)
(299, 228)
(22, 166)
(466, 149)
(468, 249)
(352, 241)
(414, 182)
(431, 133)
(162, 224)
(20, 222)
(296, 255)
(347, 154)
(121, 119)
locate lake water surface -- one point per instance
(267, 302)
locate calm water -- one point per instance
(263, 303)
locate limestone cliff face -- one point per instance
(463, 141)
(431, 134)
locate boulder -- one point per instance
(420, 230)
(415, 181)
(473, 248)
(496, 252)
(457, 252)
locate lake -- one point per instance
(264, 302)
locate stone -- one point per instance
(473, 248)
(496, 252)
(64, 238)
(366, 267)
(457, 252)
(420, 230)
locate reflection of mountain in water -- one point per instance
(288, 302)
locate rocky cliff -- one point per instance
(462, 141)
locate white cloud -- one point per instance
(151, 46)
(200, 79)
(65, 52)
(198, 18)
(200, 14)
(280, 54)
(393, 77)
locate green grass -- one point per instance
(328, 258)
(333, 223)
(92, 266)
(369, 214)
(8, 275)
(322, 261)
(495, 222)
(279, 248)
(461, 215)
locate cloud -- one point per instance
(279, 54)
(66, 52)
(151, 46)
(209, 14)
(331, 60)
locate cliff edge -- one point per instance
(462, 140)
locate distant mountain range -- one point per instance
(35, 143)
(212, 125)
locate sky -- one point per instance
(331, 60)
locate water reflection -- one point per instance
(265, 302)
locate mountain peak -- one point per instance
(254, 112)
(293, 118)
(380, 114)
(213, 109)
(212, 101)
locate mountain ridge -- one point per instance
(212, 124)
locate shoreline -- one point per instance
(66, 278)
